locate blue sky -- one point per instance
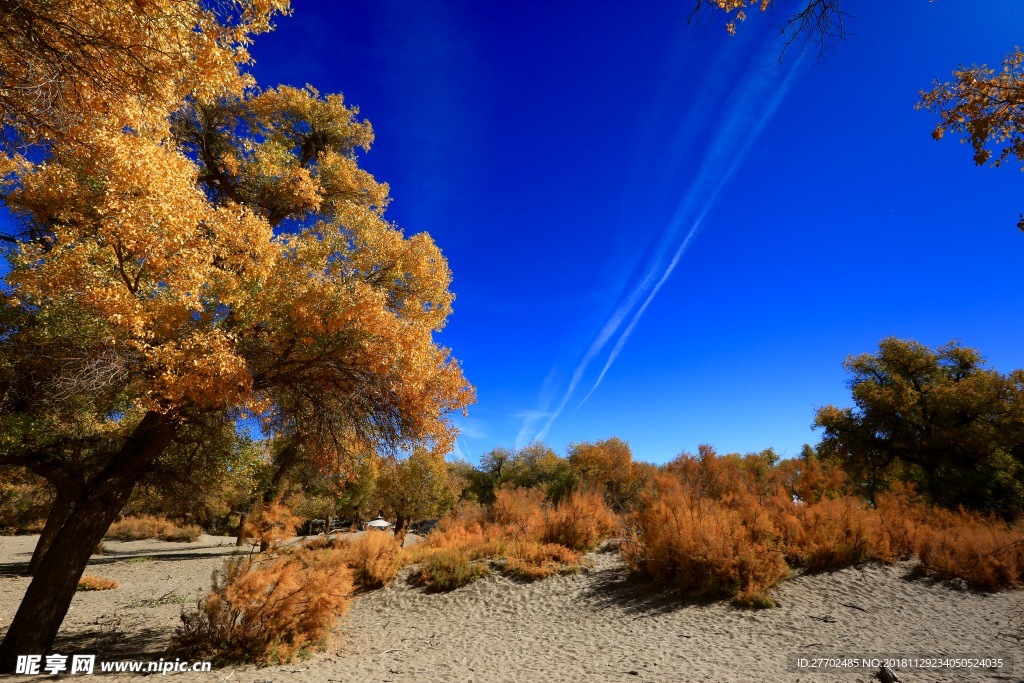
(658, 232)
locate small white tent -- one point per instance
(378, 523)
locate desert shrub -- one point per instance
(374, 557)
(271, 524)
(95, 583)
(835, 533)
(450, 569)
(519, 512)
(580, 521)
(984, 552)
(472, 541)
(811, 480)
(466, 514)
(521, 534)
(531, 560)
(268, 609)
(147, 526)
(703, 546)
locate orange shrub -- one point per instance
(466, 514)
(579, 522)
(374, 557)
(983, 552)
(835, 533)
(703, 546)
(148, 526)
(447, 570)
(531, 560)
(268, 610)
(94, 583)
(518, 511)
(271, 524)
(522, 534)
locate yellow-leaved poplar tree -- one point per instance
(190, 250)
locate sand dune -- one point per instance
(591, 626)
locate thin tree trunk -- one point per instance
(242, 516)
(400, 524)
(53, 586)
(58, 514)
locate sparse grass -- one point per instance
(95, 583)
(173, 599)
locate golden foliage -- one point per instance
(418, 487)
(531, 560)
(984, 106)
(68, 63)
(609, 467)
(271, 524)
(148, 526)
(269, 610)
(95, 583)
(983, 552)
(518, 512)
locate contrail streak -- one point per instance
(743, 124)
(766, 116)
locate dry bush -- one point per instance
(148, 526)
(703, 546)
(835, 533)
(580, 522)
(731, 526)
(95, 583)
(983, 552)
(447, 570)
(450, 537)
(519, 512)
(531, 560)
(271, 524)
(466, 514)
(268, 610)
(522, 534)
(374, 557)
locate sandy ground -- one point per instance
(591, 626)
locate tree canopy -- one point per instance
(940, 419)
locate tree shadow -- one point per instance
(614, 588)
(113, 637)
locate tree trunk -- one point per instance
(58, 514)
(240, 541)
(53, 586)
(400, 524)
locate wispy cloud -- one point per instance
(749, 108)
(530, 420)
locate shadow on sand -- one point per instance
(613, 588)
